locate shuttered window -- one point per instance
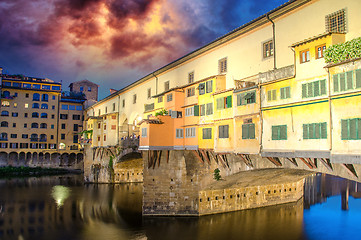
(279, 132)
(144, 132)
(207, 133)
(314, 89)
(223, 131)
(201, 88)
(209, 109)
(224, 102)
(285, 92)
(202, 110)
(315, 131)
(190, 132)
(248, 131)
(196, 110)
(272, 95)
(351, 129)
(246, 98)
(345, 81)
(179, 133)
(209, 86)
(189, 111)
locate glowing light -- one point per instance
(60, 194)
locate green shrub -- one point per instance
(343, 51)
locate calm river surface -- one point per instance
(62, 207)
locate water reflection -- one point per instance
(28, 211)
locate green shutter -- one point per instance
(317, 130)
(203, 109)
(323, 130)
(349, 80)
(269, 95)
(359, 128)
(252, 131)
(288, 92)
(220, 103)
(239, 100)
(358, 78)
(335, 82)
(283, 132)
(245, 133)
(311, 131)
(353, 129)
(282, 93)
(229, 101)
(274, 93)
(309, 89)
(304, 90)
(316, 88)
(323, 86)
(342, 82)
(305, 131)
(344, 129)
(275, 132)
(196, 110)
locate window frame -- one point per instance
(268, 49)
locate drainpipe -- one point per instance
(274, 41)
(330, 107)
(156, 84)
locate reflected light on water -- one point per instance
(60, 194)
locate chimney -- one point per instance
(112, 91)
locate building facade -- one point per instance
(263, 89)
(40, 125)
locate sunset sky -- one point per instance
(112, 42)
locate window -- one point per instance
(33, 145)
(44, 106)
(4, 136)
(305, 56)
(24, 145)
(64, 107)
(89, 89)
(53, 97)
(106, 110)
(207, 133)
(15, 105)
(209, 86)
(166, 86)
(25, 125)
(248, 131)
(25, 115)
(320, 50)
(99, 112)
(113, 127)
(79, 108)
(14, 114)
(191, 77)
(44, 97)
(123, 104)
(81, 88)
(35, 105)
(268, 49)
(105, 137)
(179, 133)
(189, 111)
(314, 89)
(62, 136)
(26, 105)
(285, 92)
(223, 131)
(5, 104)
(63, 116)
(51, 136)
(71, 107)
(279, 132)
(24, 136)
(35, 115)
(169, 97)
(14, 125)
(344, 81)
(43, 125)
(3, 145)
(201, 88)
(190, 92)
(134, 98)
(76, 117)
(222, 65)
(4, 124)
(4, 113)
(34, 137)
(224, 102)
(202, 109)
(53, 107)
(315, 131)
(27, 85)
(36, 97)
(43, 115)
(27, 95)
(190, 132)
(351, 129)
(149, 93)
(160, 99)
(336, 22)
(43, 138)
(63, 126)
(36, 86)
(209, 109)
(52, 126)
(13, 145)
(113, 107)
(75, 138)
(144, 132)
(246, 98)
(34, 125)
(45, 87)
(105, 127)
(13, 135)
(99, 125)
(52, 116)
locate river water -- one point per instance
(62, 207)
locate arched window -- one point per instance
(43, 125)
(44, 106)
(36, 97)
(44, 115)
(5, 113)
(44, 97)
(4, 124)
(42, 138)
(5, 104)
(34, 137)
(35, 105)
(35, 115)
(4, 136)
(6, 94)
(34, 125)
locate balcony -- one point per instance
(277, 74)
(3, 139)
(148, 107)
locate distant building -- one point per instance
(89, 89)
(39, 125)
